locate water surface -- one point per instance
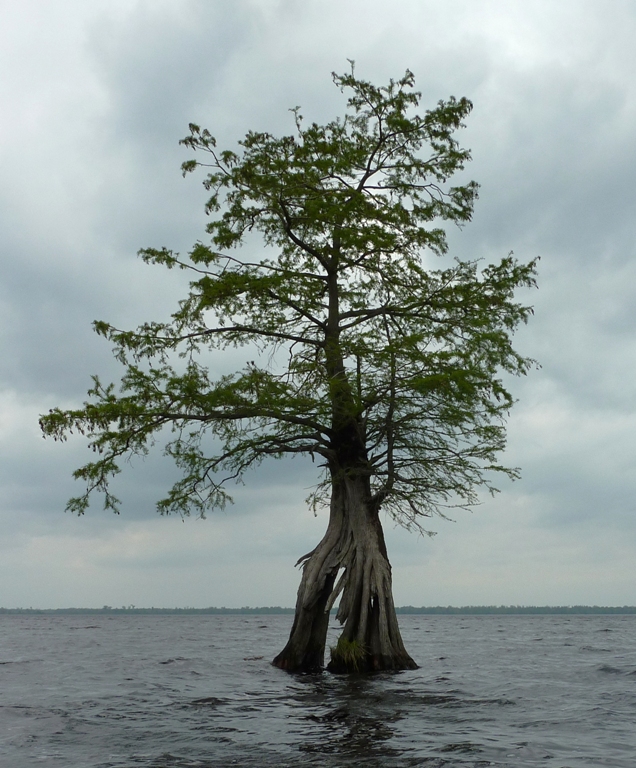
(99, 691)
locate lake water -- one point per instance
(119, 691)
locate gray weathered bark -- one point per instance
(353, 544)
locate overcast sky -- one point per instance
(94, 98)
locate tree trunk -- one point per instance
(354, 542)
(305, 649)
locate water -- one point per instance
(198, 691)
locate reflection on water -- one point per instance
(357, 723)
(186, 691)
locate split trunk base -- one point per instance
(353, 548)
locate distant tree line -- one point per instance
(107, 609)
(477, 610)
(439, 610)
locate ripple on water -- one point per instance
(179, 692)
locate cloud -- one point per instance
(99, 95)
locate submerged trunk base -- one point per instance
(353, 658)
(343, 661)
(305, 650)
(353, 547)
(371, 642)
(368, 664)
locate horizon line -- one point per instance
(406, 609)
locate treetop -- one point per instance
(356, 350)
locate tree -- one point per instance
(384, 369)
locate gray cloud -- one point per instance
(99, 95)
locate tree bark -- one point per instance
(353, 543)
(305, 649)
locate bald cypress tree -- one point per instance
(384, 369)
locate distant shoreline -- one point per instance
(466, 610)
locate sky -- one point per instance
(94, 98)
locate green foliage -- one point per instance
(363, 356)
(348, 653)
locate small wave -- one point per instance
(330, 717)
(463, 747)
(207, 701)
(595, 649)
(610, 670)
(87, 626)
